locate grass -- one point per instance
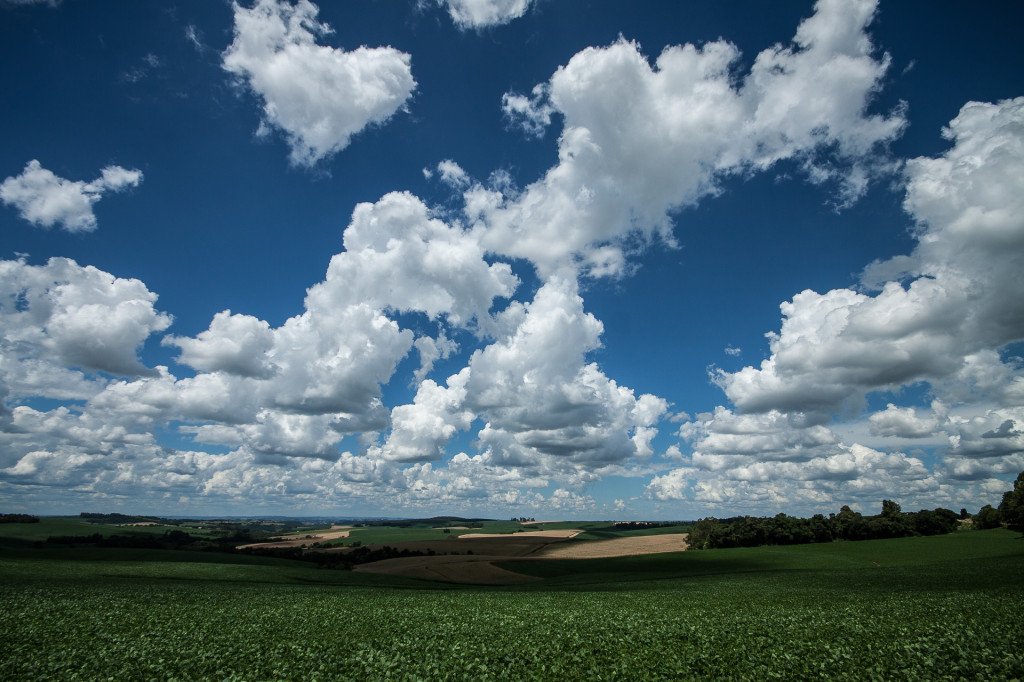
(72, 525)
(945, 607)
(950, 556)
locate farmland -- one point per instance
(944, 607)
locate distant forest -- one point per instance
(782, 529)
(18, 518)
(893, 522)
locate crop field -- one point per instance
(945, 607)
(61, 525)
(423, 532)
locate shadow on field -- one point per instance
(639, 568)
(979, 560)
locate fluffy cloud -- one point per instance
(966, 299)
(719, 439)
(45, 199)
(942, 317)
(431, 350)
(335, 360)
(452, 174)
(546, 410)
(61, 319)
(318, 96)
(855, 475)
(902, 422)
(638, 142)
(477, 14)
(234, 344)
(420, 430)
(994, 434)
(540, 398)
(331, 360)
(532, 114)
(279, 394)
(398, 256)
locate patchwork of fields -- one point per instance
(945, 607)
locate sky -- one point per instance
(559, 259)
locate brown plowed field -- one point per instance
(555, 534)
(627, 546)
(478, 568)
(335, 533)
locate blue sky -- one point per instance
(508, 257)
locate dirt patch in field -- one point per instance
(554, 534)
(335, 533)
(477, 570)
(470, 558)
(627, 546)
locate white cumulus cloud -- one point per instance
(966, 300)
(47, 200)
(477, 14)
(319, 96)
(60, 319)
(640, 142)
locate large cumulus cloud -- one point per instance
(319, 96)
(62, 321)
(639, 141)
(938, 316)
(965, 294)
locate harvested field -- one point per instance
(474, 570)
(478, 568)
(554, 534)
(628, 546)
(335, 533)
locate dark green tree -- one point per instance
(987, 517)
(1011, 509)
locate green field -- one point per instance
(382, 535)
(72, 525)
(945, 607)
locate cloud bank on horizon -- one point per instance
(254, 414)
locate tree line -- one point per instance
(18, 518)
(893, 522)
(1010, 511)
(782, 529)
(173, 539)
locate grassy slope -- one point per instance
(74, 525)
(921, 608)
(956, 556)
